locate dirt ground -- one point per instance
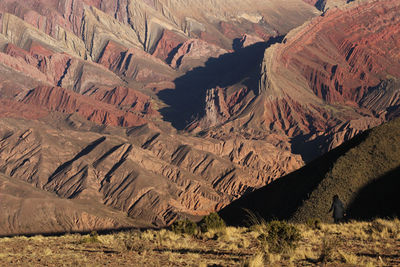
(374, 243)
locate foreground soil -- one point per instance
(375, 243)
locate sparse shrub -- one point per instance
(92, 238)
(255, 261)
(212, 221)
(130, 241)
(349, 258)
(314, 223)
(184, 227)
(380, 228)
(279, 236)
(148, 235)
(377, 226)
(328, 250)
(166, 238)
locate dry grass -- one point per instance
(375, 243)
(255, 261)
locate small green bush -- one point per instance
(279, 237)
(184, 227)
(212, 221)
(92, 238)
(314, 223)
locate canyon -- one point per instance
(130, 113)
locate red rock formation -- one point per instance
(248, 40)
(263, 33)
(363, 50)
(57, 69)
(61, 100)
(337, 70)
(220, 106)
(49, 63)
(15, 109)
(195, 53)
(230, 30)
(134, 64)
(330, 80)
(126, 99)
(168, 42)
(149, 175)
(21, 61)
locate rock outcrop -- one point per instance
(141, 171)
(106, 110)
(27, 210)
(333, 72)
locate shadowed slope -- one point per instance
(187, 101)
(380, 198)
(362, 166)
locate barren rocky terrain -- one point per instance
(137, 113)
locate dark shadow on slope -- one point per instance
(187, 100)
(171, 54)
(282, 198)
(310, 149)
(379, 199)
(320, 5)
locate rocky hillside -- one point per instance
(364, 172)
(327, 81)
(167, 109)
(28, 210)
(149, 175)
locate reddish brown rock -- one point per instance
(57, 69)
(51, 64)
(15, 109)
(126, 99)
(330, 80)
(167, 45)
(361, 60)
(337, 70)
(27, 210)
(230, 30)
(195, 53)
(23, 65)
(363, 51)
(263, 33)
(248, 40)
(147, 174)
(59, 99)
(134, 64)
